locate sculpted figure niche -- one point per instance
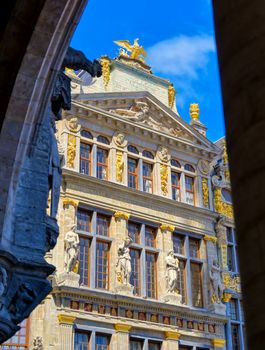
(71, 243)
(123, 266)
(172, 269)
(216, 287)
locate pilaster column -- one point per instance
(218, 344)
(211, 253)
(121, 233)
(171, 341)
(226, 299)
(164, 239)
(66, 339)
(121, 336)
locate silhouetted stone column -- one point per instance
(240, 33)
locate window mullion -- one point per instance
(94, 160)
(140, 178)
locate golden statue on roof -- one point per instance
(136, 51)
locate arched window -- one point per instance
(103, 139)
(148, 154)
(226, 194)
(133, 149)
(175, 163)
(189, 167)
(86, 134)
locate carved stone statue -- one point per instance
(220, 230)
(61, 96)
(38, 344)
(163, 153)
(172, 268)
(123, 266)
(216, 287)
(136, 112)
(119, 140)
(71, 243)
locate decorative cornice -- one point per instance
(70, 201)
(218, 343)
(210, 238)
(121, 215)
(121, 327)
(167, 227)
(227, 297)
(68, 319)
(170, 335)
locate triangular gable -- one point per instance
(142, 108)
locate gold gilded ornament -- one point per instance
(71, 151)
(171, 95)
(232, 282)
(136, 51)
(167, 227)
(210, 238)
(121, 215)
(105, 64)
(119, 166)
(205, 192)
(164, 178)
(194, 111)
(220, 206)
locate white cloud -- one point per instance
(181, 56)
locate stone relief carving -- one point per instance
(119, 166)
(71, 243)
(123, 266)
(163, 154)
(216, 286)
(137, 111)
(172, 269)
(71, 151)
(205, 192)
(119, 140)
(38, 344)
(204, 166)
(164, 178)
(73, 125)
(220, 230)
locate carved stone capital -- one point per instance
(210, 238)
(121, 215)
(167, 227)
(120, 327)
(171, 335)
(218, 343)
(66, 319)
(227, 297)
(70, 201)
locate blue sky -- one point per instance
(178, 36)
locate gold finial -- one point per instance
(105, 64)
(171, 95)
(136, 51)
(194, 111)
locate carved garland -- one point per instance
(119, 166)
(71, 151)
(220, 206)
(164, 178)
(205, 192)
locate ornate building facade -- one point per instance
(146, 256)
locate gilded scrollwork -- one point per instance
(71, 151)
(232, 282)
(119, 166)
(205, 192)
(164, 178)
(220, 206)
(105, 64)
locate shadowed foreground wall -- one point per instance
(240, 34)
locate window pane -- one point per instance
(136, 344)
(132, 173)
(194, 245)
(84, 260)
(135, 275)
(81, 341)
(148, 154)
(229, 234)
(175, 163)
(233, 309)
(85, 151)
(133, 149)
(86, 134)
(150, 275)
(102, 159)
(134, 231)
(189, 167)
(154, 345)
(242, 311)
(147, 178)
(83, 220)
(103, 139)
(175, 182)
(181, 285)
(230, 258)
(189, 190)
(102, 342)
(102, 265)
(196, 284)
(103, 225)
(227, 197)
(235, 337)
(150, 234)
(178, 244)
